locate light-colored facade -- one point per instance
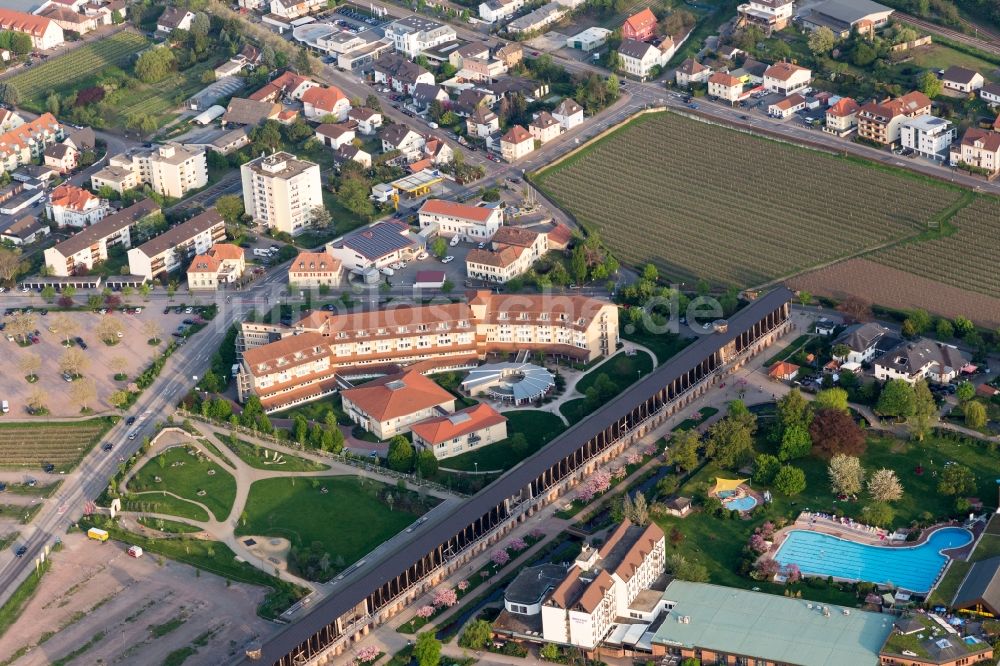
(962, 80)
(725, 86)
(413, 34)
(786, 78)
(175, 247)
(768, 14)
(89, 246)
(498, 10)
(45, 33)
(544, 127)
(538, 19)
(787, 107)
(921, 359)
(391, 405)
(639, 58)
(880, 122)
(516, 143)
(223, 264)
(928, 136)
(568, 113)
(842, 117)
(281, 192)
(513, 251)
(314, 269)
(171, 170)
(691, 71)
(460, 432)
(72, 206)
(27, 141)
(322, 343)
(469, 223)
(978, 148)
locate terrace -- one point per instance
(931, 639)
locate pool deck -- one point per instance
(857, 533)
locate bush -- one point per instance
(790, 480)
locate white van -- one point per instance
(261, 252)
(4, 407)
(386, 270)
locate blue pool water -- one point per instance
(744, 503)
(914, 568)
(723, 494)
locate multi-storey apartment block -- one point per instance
(281, 191)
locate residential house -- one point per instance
(544, 127)
(482, 122)
(978, 148)
(400, 137)
(787, 107)
(538, 19)
(177, 245)
(466, 430)
(691, 71)
(862, 341)
(770, 15)
(845, 17)
(602, 585)
(9, 120)
(320, 101)
(481, 69)
(511, 54)
(639, 58)
(349, 152)
(516, 143)
(990, 93)
(390, 405)
(399, 73)
(880, 121)
(281, 192)
(27, 142)
(425, 94)
(841, 117)
(45, 33)
(492, 11)
(335, 136)
(117, 175)
(640, 26)
(367, 120)
(355, 51)
(962, 80)
(72, 206)
(725, 86)
(783, 371)
(25, 230)
(457, 56)
(293, 9)
(928, 136)
(786, 78)
(61, 157)
(288, 85)
(70, 20)
(919, 359)
(314, 269)
(469, 223)
(568, 113)
(174, 18)
(376, 246)
(513, 250)
(89, 246)
(413, 34)
(437, 150)
(248, 112)
(223, 264)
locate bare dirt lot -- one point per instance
(894, 288)
(97, 605)
(133, 350)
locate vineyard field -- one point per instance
(63, 444)
(965, 259)
(63, 73)
(705, 202)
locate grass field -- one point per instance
(941, 56)
(31, 445)
(349, 519)
(621, 369)
(664, 345)
(680, 196)
(262, 457)
(966, 258)
(185, 475)
(539, 428)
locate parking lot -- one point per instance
(133, 352)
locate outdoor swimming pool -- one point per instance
(744, 503)
(914, 568)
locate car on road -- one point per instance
(421, 256)
(130, 420)
(188, 310)
(21, 550)
(108, 446)
(448, 259)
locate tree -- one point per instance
(83, 392)
(303, 65)
(793, 410)
(48, 293)
(925, 411)
(684, 569)
(965, 392)
(372, 102)
(765, 467)
(109, 330)
(730, 443)
(400, 455)
(73, 361)
(879, 514)
(856, 309)
(795, 443)
(846, 475)
(578, 264)
(200, 25)
(963, 327)
(36, 400)
(21, 325)
(929, 84)
(896, 399)
(427, 464)
(9, 94)
(154, 64)
(863, 54)
(152, 330)
(477, 635)
(832, 398)
(975, 414)
(835, 432)
(821, 41)
(957, 480)
(300, 429)
(64, 325)
(884, 486)
(944, 329)
(29, 364)
(549, 652)
(119, 399)
(321, 218)
(118, 365)
(789, 481)
(230, 207)
(840, 351)
(683, 451)
(439, 247)
(11, 263)
(427, 650)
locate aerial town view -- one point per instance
(500, 332)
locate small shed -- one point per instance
(783, 371)
(429, 280)
(209, 114)
(679, 506)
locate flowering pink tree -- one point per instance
(633, 458)
(650, 451)
(600, 481)
(792, 573)
(766, 530)
(500, 557)
(757, 543)
(425, 611)
(445, 598)
(618, 473)
(517, 544)
(367, 654)
(463, 586)
(766, 569)
(537, 533)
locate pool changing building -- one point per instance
(385, 583)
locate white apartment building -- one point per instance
(602, 585)
(513, 251)
(72, 206)
(498, 10)
(862, 342)
(978, 148)
(172, 170)
(725, 86)
(928, 135)
(281, 191)
(25, 142)
(288, 365)
(469, 223)
(414, 34)
(639, 58)
(89, 246)
(786, 78)
(45, 33)
(459, 432)
(176, 246)
(768, 14)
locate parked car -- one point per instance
(448, 259)
(81, 343)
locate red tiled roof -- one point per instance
(442, 428)
(783, 369)
(72, 197)
(990, 140)
(226, 251)
(516, 134)
(724, 79)
(204, 263)
(394, 396)
(845, 106)
(312, 262)
(22, 22)
(451, 208)
(642, 20)
(19, 138)
(783, 70)
(323, 98)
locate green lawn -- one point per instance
(185, 474)
(261, 457)
(349, 520)
(539, 428)
(317, 411)
(664, 345)
(621, 369)
(941, 56)
(989, 546)
(946, 589)
(169, 526)
(156, 502)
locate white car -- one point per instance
(454, 241)
(402, 264)
(420, 257)
(448, 259)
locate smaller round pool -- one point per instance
(723, 494)
(744, 503)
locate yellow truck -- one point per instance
(97, 534)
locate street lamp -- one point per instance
(477, 467)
